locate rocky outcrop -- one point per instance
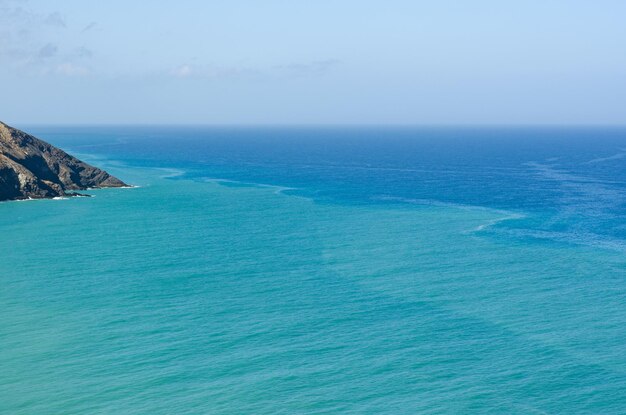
(33, 169)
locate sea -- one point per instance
(321, 270)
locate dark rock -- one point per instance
(33, 169)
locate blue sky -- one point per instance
(313, 62)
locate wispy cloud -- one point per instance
(308, 68)
(13, 9)
(71, 69)
(48, 51)
(30, 42)
(89, 27)
(20, 41)
(189, 71)
(83, 52)
(183, 71)
(55, 19)
(314, 68)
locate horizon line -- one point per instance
(318, 125)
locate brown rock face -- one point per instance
(31, 168)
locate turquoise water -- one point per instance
(251, 272)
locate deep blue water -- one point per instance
(569, 183)
(284, 270)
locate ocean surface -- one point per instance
(352, 270)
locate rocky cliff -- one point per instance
(31, 168)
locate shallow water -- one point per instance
(313, 271)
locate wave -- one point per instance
(575, 238)
(505, 214)
(226, 182)
(494, 222)
(616, 156)
(30, 199)
(439, 203)
(170, 172)
(490, 227)
(38, 199)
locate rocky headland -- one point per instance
(33, 169)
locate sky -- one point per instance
(313, 62)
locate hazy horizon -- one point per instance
(301, 63)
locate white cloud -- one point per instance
(314, 68)
(183, 71)
(70, 69)
(213, 72)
